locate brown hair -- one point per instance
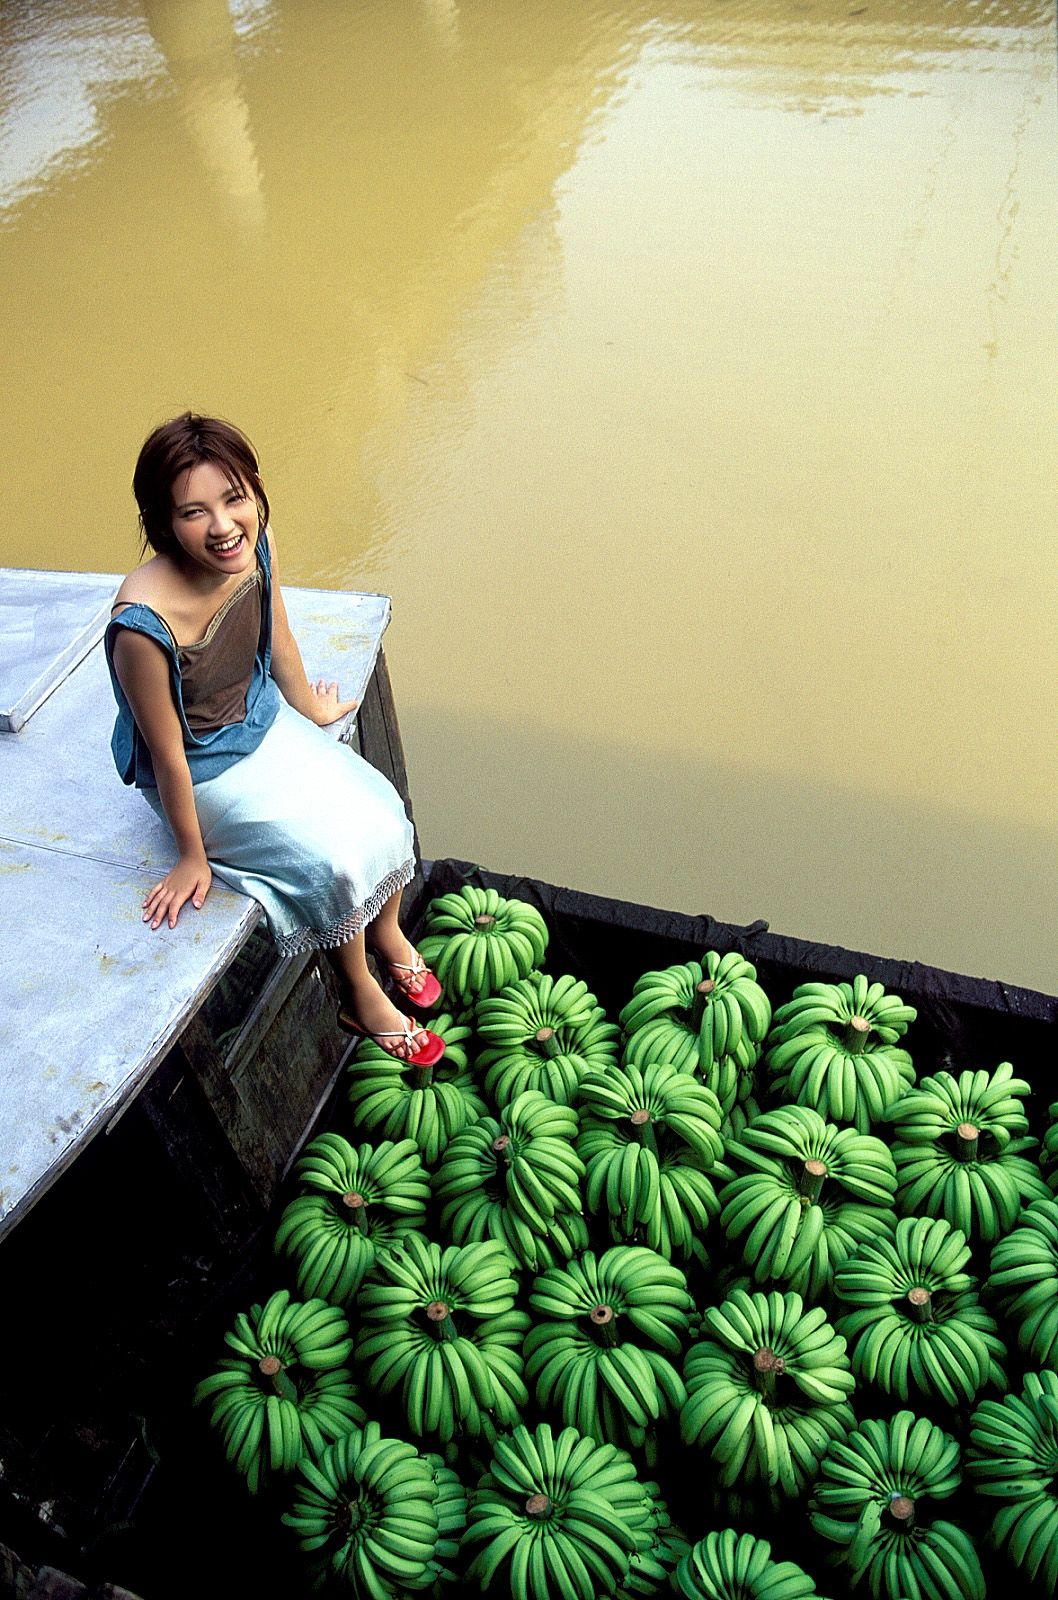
(176, 447)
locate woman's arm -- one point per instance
(143, 673)
(318, 701)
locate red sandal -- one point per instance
(422, 995)
(427, 1054)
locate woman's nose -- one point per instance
(223, 521)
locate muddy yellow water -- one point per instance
(686, 372)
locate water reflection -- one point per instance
(196, 39)
(628, 345)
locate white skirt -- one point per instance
(309, 829)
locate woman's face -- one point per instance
(215, 524)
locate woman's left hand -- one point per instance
(327, 707)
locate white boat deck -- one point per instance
(90, 997)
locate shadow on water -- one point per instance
(847, 866)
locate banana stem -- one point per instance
(271, 1369)
(701, 999)
(603, 1321)
(538, 1506)
(967, 1141)
(643, 1129)
(856, 1035)
(484, 921)
(548, 1042)
(810, 1182)
(767, 1367)
(499, 1150)
(921, 1304)
(439, 1320)
(421, 1077)
(902, 1512)
(354, 1210)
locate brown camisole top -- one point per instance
(215, 672)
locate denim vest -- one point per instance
(208, 754)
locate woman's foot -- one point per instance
(410, 973)
(367, 1010)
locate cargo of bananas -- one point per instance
(363, 1199)
(708, 1017)
(812, 1194)
(1024, 1279)
(477, 943)
(960, 1151)
(736, 1566)
(558, 1517)
(912, 1317)
(876, 1499)
(397, 1100)
(516, 1178)
(1013, 1458)
(375, 1518)
(439, 1326)
(543, 1033)
(767, 1392)
(833, 1047)
(603, 1356)
(285, 1391)
(650, 1138)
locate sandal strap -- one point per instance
(414, 968)
(405, 1031)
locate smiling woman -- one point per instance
(220, 729)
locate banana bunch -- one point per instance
(652, 1567)
(1024, 1278)
(559, 1517)
(362, 1200)
(791, 1231)
(543, 1033)
(732, 1079)
(735, 1566)
(594, 1358)
(833, 1047)
(870, 1498)
(916, 1325)
(959, 1155)
(708, 1017)
(1049, 1153)
(767, 1392)
(649, 1139)
(285, 1390)
(741, 1113)
(516, 1179)
(376, 1517)
(397, 1100)
(477, 943)
(440, 1326)
(1013, 1457)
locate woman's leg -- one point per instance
(365, 1002)
(394, 946)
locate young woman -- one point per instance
(220, 729)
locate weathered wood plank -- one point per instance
(195, 1147)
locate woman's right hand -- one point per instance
(188, 880)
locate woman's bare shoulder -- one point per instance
(148, 585)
